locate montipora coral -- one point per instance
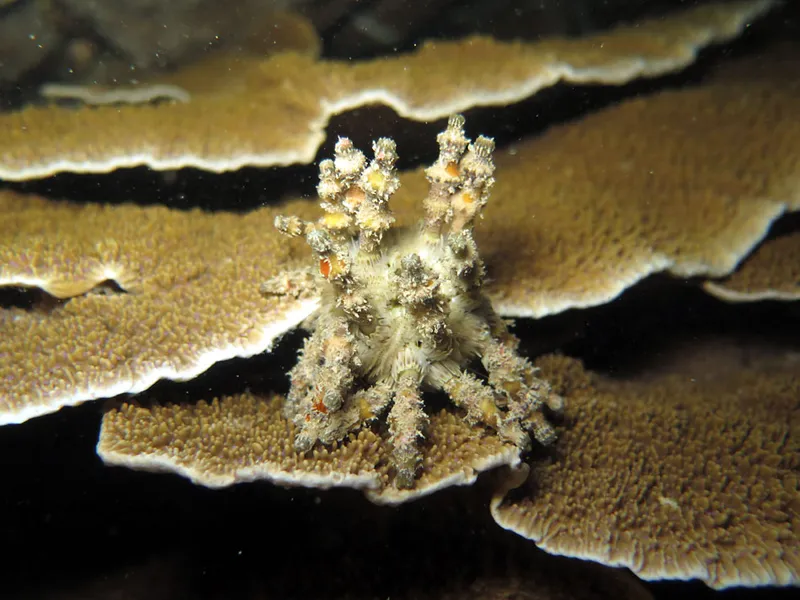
(403, 309)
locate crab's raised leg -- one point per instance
(460, 180)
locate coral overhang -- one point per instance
(403, 310)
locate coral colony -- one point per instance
(403, 310)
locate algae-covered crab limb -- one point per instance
(403, 311)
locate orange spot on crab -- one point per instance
(325, 267)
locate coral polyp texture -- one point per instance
(403, 309)
(684, 470)
(246, 110)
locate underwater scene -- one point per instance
(400, 299)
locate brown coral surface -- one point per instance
(123, 296)
(245, 437)
(688, 473)
(274, 111)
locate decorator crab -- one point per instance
(403, 310)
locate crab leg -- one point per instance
(525, 394)
(407, 420)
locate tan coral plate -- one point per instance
(687, 474)
(273, 111)
(245, 437)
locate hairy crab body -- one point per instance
(403, 309)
